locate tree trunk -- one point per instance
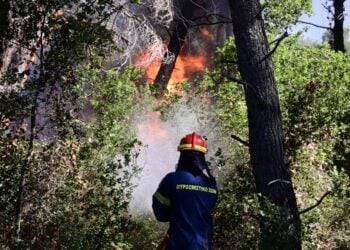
(24, 168)
(270, 168)
(338, 29)
(177, 39)
(4, 27)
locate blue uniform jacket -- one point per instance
(187, 202)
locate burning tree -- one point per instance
(189, 26)
(270, 168)
(176, 42)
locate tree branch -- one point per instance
(231, 78)
(315, 25)
(328, 8)
(245, 85)
(277, 41)
(316, 204)
(240, 140)
(263, 7)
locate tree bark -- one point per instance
(4, 27)
(177, 39)
(338, 29)
(270, 168)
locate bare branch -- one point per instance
(315, 25)
(328, 8)
(277, 41)
(316, 204)
(240, 140)
(162, 11)
(129, 29)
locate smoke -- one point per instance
(160, 156)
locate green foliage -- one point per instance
(314, 103)
(327, 37)
(236, 224)
(77, 189)
(282, 15)
(12, 150)
(77, 174)
(114, 99)
(313, 85)
(145, 232)
(106, 178)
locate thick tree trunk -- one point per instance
(338, 29)
(177, 39)
(270, 168)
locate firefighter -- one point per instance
(186, 198)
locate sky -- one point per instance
(320, 18)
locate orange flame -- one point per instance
(186, 67)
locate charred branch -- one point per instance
(174, 48)
(175, 44)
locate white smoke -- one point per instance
(160, 156)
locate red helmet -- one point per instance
(193, 142)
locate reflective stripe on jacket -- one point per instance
(187, 202)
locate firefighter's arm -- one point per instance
(161, 203)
